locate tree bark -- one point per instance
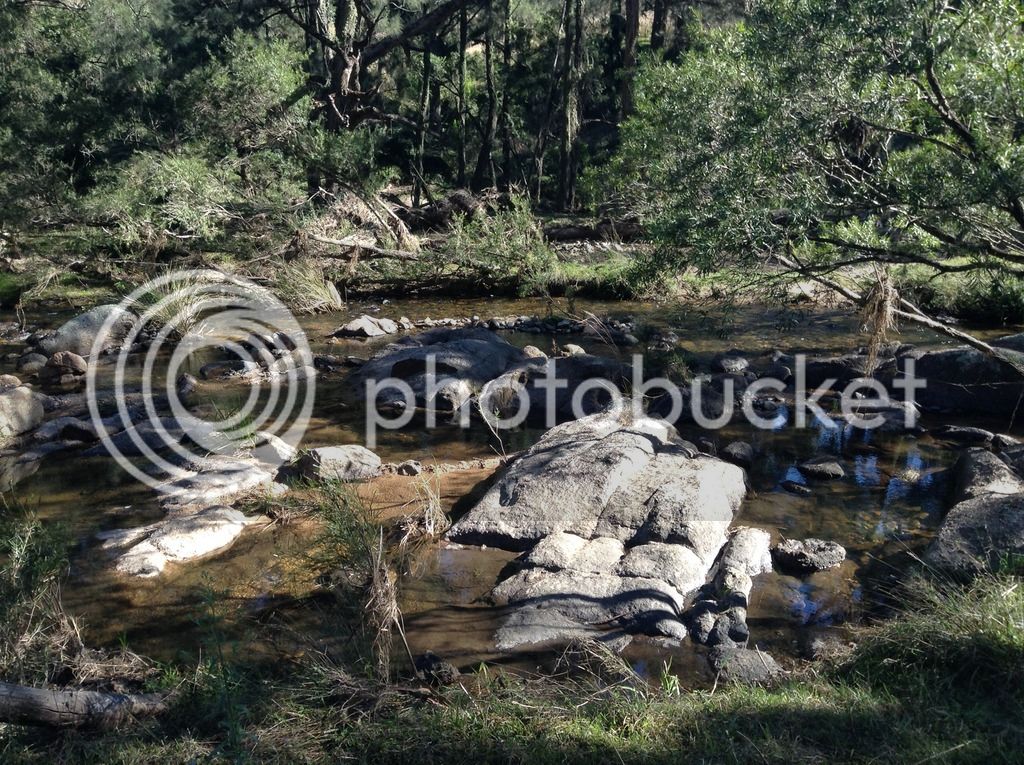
(463, 43)
(503, 116)
(568, 165)
(629, 44)
(421, 139)
(658, 24)
(22, 705)
(484, 174)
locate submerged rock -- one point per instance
(146, 551)
(805, 556)
(822, 469)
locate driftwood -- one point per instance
(74, 708)
(604, 231)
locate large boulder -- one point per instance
(570, 373)
(596, 477)
(622, 523)
(79, 334)
(984, 530)
(21, 410)
(985, 533)
(966, 381)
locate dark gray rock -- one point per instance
(738, 453)
(964, 435)
(469, 358)
(822, 468)
(978, 472)
(409, 467)
(794, 487)
(982, 534)
(966, 381)
(31, 363)
(744, 666)
(800, 557)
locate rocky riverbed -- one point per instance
(734, 545)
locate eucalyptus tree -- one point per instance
(838, 141)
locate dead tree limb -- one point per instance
(75, 708)
(367, 251)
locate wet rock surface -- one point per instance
(351, 462)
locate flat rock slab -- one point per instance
(215, 478)
(21, 410)
(80, 333)
(595, 477)
(146, 551)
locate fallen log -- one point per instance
(75, 708)
(367, 251)
(604, 231)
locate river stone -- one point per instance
(822, 468)
(676, 564)
(596, 477)
(801, 557)
(743, 666)
(730, 364)
(980, 534)
(978, 472)
(31, 363)
(80, 333)
(738, 453)
(571, 349)
(9, 382)
(148, 550)
(570, 372)
(797, 488)
(155, 435)
(367, 326)
(351, 462)
(409, 467)
(21, 410)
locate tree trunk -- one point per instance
(503, 118)
(658, 24)
(569, 161)
(628, 74)
(463, 43)
(484, 174)
(23, 705)
(540, 147)
(424, 115)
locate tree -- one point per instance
(832, 141)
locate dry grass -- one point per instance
(304, 287)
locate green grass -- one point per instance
(940, 683)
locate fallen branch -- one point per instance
(368, 251)
(22, 705)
